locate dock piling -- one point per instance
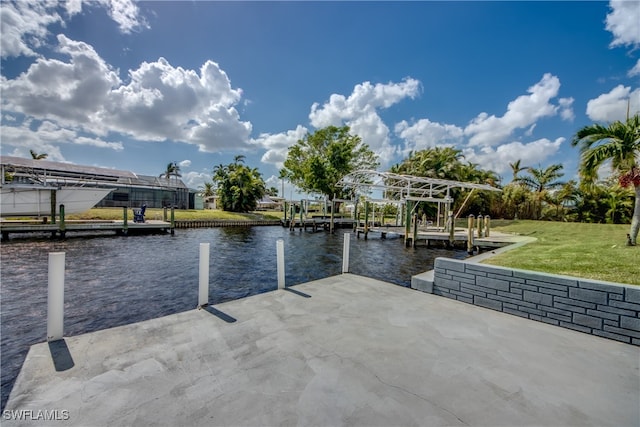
(203, 285)
(345, 252)
(63, 225)
(280, 259)
(470, 235)
(487, 225)
(55, 297)
(125, 220)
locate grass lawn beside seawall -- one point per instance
(594, 251)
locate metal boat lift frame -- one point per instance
(406, 189)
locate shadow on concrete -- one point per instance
(293, 291)
(219, 314)
(61, 355)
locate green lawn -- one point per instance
(596, 251)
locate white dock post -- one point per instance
(55, 297)
(280, 256)
(345, 253)
(203, 287)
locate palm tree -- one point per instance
(619, 143)
(172, 170)
(516, 169)
(36, 156)
(540, 181)
(207, 190)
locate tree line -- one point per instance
(318, 161)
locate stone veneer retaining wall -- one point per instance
(605, 309)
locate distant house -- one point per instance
(129, 189)
(270, 203)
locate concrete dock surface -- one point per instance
(345, 350)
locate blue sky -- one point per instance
(134, 86)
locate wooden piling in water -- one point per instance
(470, 235)
(62, 228)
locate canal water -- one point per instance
(112, 281)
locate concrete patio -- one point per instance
(345, 350)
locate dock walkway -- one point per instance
(8, 227)
(345, 350)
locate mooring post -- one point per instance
(333, 208)
(125, 220)
(280, 262)
(173, 219)
(53, 205)
(470, 235)
(487, 225)
(284, 209)
(356, 218)
(366, 220)
(414, 236)
(345, 252)
(63, 225)
(452, 229)
(407, 223)
(301, 214)
(480, 224)
(203, 284)
(55, 297)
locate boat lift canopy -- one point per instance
(396, 187)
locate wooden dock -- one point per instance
(318, 223)
(60, 229)
(431, 236)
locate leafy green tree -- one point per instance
(272, 191)
(239, 186)
(317, 162)
(619, 142)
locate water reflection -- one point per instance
(111, 281)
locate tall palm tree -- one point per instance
(516, 168)
(172, 170)
(540, 181)
(619, 142)
(36, 156)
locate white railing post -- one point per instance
(345, 253)
(55, 297)
(280, 259)
(203, 287)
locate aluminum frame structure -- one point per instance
(408, 190)
(396, 187)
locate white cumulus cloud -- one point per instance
(159, 101)
(498, 158)
(612, 106)
(425, 134)
(521, 113)
(277, 145)
(24, 24)
(360, 112)
(624, 22)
